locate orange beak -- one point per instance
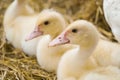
(34, 34)
(61, 39)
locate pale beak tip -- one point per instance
(51, 44)
(27, 39)
(30, 37)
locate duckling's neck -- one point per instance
(84, 51)
(81, 56)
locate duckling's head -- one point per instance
(80, 32)
(48, 22)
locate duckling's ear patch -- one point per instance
(61, 39)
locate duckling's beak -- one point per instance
(61, 39)
(34, 34)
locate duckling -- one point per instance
(19, 22)
(106, 53)
(78, 61)
(50, 26)
(46, 23)
(112, 15)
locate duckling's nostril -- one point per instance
(59, 37)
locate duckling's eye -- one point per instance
(74, 30)
(46, 22)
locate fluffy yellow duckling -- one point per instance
(20, 20)
(78, 62)
(49, 27)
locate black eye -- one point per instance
(46, 22)
(74, 30)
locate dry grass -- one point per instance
(15, 65)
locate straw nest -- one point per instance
(15, 65)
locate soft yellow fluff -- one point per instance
(48, 57)
(103, 73)
(107, 53)
(49, 26)
(20, 21)
(78, 63)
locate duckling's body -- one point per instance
(71, 67)
(89, 70)
(107, 53)
(19, 21)
(102, 73)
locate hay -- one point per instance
(15, 65)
